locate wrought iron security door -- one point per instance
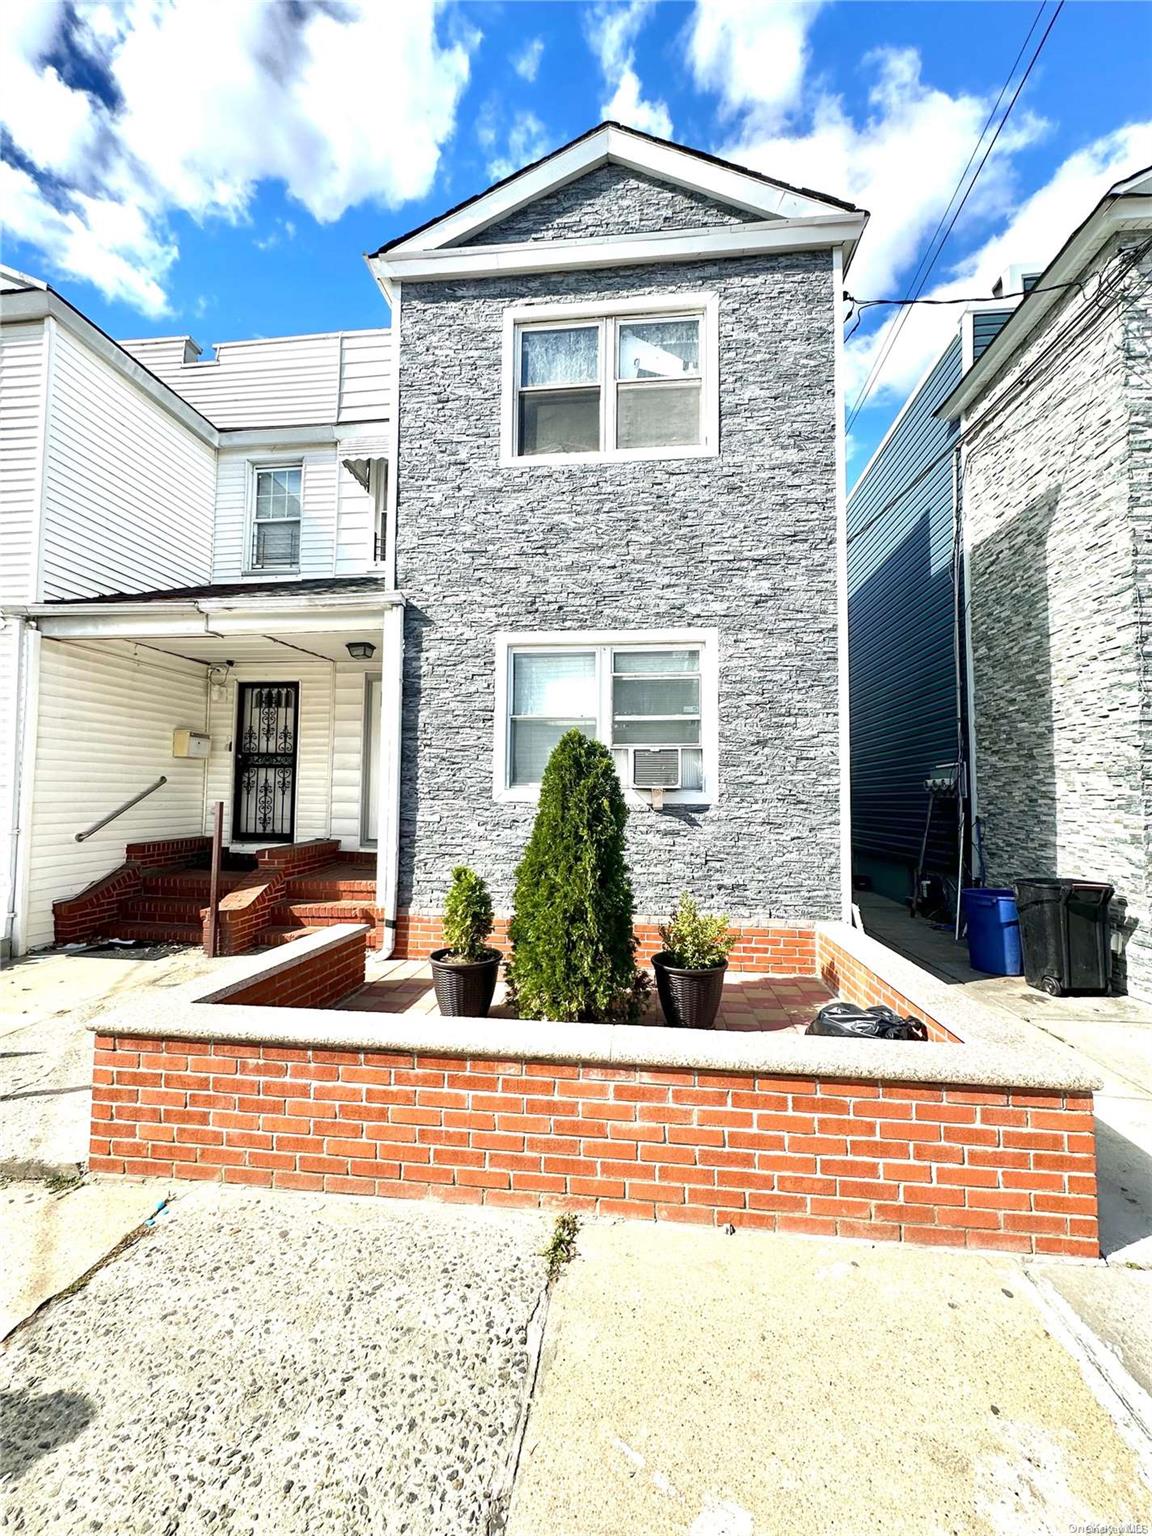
(264, 805)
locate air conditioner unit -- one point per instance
(655, 767)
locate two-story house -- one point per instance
(607, 459)
(194, 609)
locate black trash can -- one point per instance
(1064, 935)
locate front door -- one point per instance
(264, 802)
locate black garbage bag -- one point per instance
(855, 1023)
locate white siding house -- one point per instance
(139, 598)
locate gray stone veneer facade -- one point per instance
(1059, 524)
(744, 542)
(610, 201)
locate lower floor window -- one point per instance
(649, 696)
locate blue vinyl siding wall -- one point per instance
(900, 626)
(986, 326)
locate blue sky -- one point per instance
(217, 167)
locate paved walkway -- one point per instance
(1113, 1035)
(751, 1002)
(46, 1002)
(758, 1385)
(293, 1364)
(334, 1366)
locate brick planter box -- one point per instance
(972, 1139)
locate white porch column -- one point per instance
(388, 779)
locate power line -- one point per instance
(1077, 329)
(923, 272)
(973, 298)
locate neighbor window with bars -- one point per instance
(276, 517)
(652, 704)
(613, 385)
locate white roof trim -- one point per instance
(1115, 215)
(40, 303)
(823, 230)
(726, 184)
(11, 278)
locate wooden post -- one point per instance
(214, 885)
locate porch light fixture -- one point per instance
(361, 650)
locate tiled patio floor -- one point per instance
(750, 1002)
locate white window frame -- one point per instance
(603, 642)
(705, 306)
(257, 467)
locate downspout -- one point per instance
(390, 745)
(16, 781)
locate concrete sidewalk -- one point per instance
(757, 1385)
(1111, 1035)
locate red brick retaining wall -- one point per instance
(316, 980)
(778, 949)
(1012, 1170)
(855, 982)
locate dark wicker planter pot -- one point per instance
(465, 991)
(690, 999)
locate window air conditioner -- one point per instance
(655, 767)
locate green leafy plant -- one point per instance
(573, 950)
(693, 941)
(467, 915)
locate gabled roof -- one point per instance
(1125, 206)
(609, 141)
(782, 216)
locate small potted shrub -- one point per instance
(464, 972)
(690, 968)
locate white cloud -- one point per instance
(526, 63)
(528, 140)
(1029, 235)
(612, 32)
(900, 162)
(208, 99)
(752, 54)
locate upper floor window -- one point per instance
(631, 379)
(276, 517)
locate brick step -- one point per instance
(162, 909)
(281, 933)
(191, 884)
(324, 913)
(303, 888)
(154, 933)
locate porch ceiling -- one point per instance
(244, 650)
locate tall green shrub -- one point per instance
(573, 951)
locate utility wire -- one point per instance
(930, 257)
(1078, 329)
(1086, 327)
(974, 298)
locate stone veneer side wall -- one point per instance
(1060, 688)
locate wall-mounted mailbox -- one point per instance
(190, 743)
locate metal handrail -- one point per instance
(127, 806)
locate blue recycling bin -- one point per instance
(993, 930)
